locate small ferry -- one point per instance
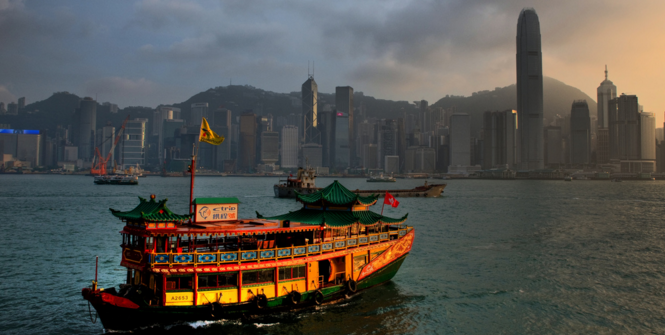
(117, 179)
(381, 179)
(211, 265)
(303, 183)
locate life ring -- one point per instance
(318, 297)
(295, 297)
(351, 286)
(261, 301)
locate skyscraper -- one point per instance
(530, 90)
(624, 128)
(648, 136)
(326, 127)
(580, 133)
(498, 139)
(344, 104)
(460, 140)
(247, 152)
(86, 121)
(132, 151)
(309, 91)
(289, 157)
(198, 111)
(606, 92)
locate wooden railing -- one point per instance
(224, 257)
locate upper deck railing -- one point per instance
(218, 257)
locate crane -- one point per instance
(99, 167)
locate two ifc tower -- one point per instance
(530, 91)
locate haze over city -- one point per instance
(159, 52)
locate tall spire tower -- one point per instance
(606, 92)
(530, 91)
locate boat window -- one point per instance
(149, 243)
(218, 280)
(258, 277)
(292, 272)
(179, 283)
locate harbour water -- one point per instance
(489, 257)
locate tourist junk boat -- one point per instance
(210, 265)
(305, 183)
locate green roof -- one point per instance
(209, 201)
(150, 210)
(337, 194)
(338, 219)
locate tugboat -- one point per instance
(211, 265)
(303, 183)
(381, 179)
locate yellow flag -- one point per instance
(209, 136)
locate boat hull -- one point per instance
(431, 191)
(123, 318)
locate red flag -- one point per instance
(390, 200)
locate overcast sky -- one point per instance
(163, 51)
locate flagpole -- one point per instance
(192, 170)
(384, 203)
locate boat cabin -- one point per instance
(211, 255)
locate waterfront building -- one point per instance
(370, 156)
(460, 140)
(85, 119)
(3, 110)
(553, 146)
(327, 123)
(606, 92)
(105, 139)
(648, 136)
(580, 133)
(132, 150)
(70, 153)
(312, 155)
(28, 147)
(421, 159)
(248, 135)
(344, 105)
(169, 135)
(21, 102)
(530, 91)
(163, 113)
(391, 164)
(499, 132)
(269, 147)
(309, 92)
(289, 147)
(12, 108)
(624, 128)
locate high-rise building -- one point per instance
(553, 146)
(624, 128)
(327, 123)
(370, 156)
(198, 111)
(648, 136)
(132, 150)
(269, 147)
(342, 150)
(344, 105)
(388, 145)
(86, 124)
(499, 139)
(391, 164)
(602, 146)
(248, 136)
(105, 139)
(21, 102)
(460, 140)
(289, 147)
(163, 113)
(606, 92)
(310, 115)
(401, 143)
(3, 110)
(12, 108)
(312, 155)
(580, 133)
(530, 90)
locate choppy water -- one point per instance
(489, 257)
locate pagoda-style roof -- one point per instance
(336, 194)
(151, 211)
(337, 219)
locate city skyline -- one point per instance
(134, 50)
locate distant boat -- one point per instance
(381, 179)
(568, 178)
(117, 179)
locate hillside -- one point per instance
(557, 99)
